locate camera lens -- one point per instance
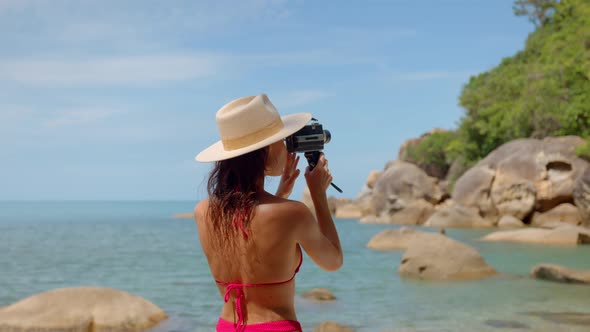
(327, 136)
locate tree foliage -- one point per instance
(543, 90)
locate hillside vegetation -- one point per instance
(543, 90)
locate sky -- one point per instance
(112, 99)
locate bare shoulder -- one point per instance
(286, 213)
(200, 209)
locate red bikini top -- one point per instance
(239, 289)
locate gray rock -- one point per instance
(510, 222)
(401, 184)
(506, 324)
(523, 171)
(415, 213)
(319, 294)
(582, 197)
(457, 216)
(398, 239)
(442, 258)
(566, 236)
(563, 213)
(80, 309)
(571, 318)
(559, 273)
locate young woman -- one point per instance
(252, 238)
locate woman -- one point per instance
(253, 239)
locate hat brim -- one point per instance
(291, 124)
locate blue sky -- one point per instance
(113, 99)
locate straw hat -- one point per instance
(250, 123)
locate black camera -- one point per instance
(310, 140)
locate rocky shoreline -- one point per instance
(523, 183)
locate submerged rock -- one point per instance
(506, 324)
(566, 235)
(572, 318)
(442, 258)
(559, 273)
(81, 309)
(320, 294)
(397, 239)
(331, 326)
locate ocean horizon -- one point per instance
(137, 246)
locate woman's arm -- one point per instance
(319, 238)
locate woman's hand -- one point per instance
(290, 174)
(318, 179)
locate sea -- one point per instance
(138, 247)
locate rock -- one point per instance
(571, 318)
(563, 213)
(80, 309)
(560, 236)
(513, 196)
(331, 326)
(415, 213)
(397, 239)
(319, 294)
(348, 211)
(510, 222)
(333, 203)
(401, 184)
(183, 215)
(506, 324)
(372, 178)
(582, 196)
(520, 172)
(558, 273)
(442, 258)
(457, 216)
(473, 189)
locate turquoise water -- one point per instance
(139, 248)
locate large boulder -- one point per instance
(397, 239)
(510, 222)
(582, 196)
(80, 309)
(563, 213)
(566, 235)
(523, 175)
(372, 178)
(402, 183)
(348, 211)
(457, 216)
(442, 258)
(559, 273)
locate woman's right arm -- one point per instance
(319, 238)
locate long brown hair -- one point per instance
(232, 190)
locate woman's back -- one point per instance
(265, 259)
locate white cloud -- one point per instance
(149, 69)
(121, 70)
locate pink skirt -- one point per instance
(276, 326)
